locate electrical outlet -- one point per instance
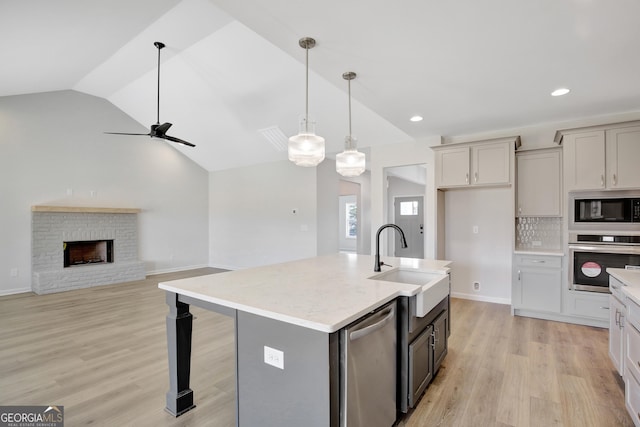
(273, 357)
(476, 286)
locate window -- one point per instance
(409, 208)
(351, 211)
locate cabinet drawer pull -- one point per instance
(604, 308)
(538, 261)
(613, 287)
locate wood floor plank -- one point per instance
(102, 353)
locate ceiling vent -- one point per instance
(276, 137)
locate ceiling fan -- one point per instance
(158, 130)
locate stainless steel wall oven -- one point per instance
(591, 253)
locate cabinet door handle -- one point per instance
(617, 317)
(466, 178)
(518, 275)
(615, 179)
(475, 176)
(621, 321)
(519, 209)
(602, 180)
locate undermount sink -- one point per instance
(435, 286)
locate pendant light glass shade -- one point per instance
(350, 162)
(306, 148)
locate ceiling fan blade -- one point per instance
(158, 130)
(124, 133)
(162, 129)
(178, 140)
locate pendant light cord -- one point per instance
(349, 81)
(306, 119)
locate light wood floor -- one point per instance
(101, 352)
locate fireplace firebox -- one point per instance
(88, 252)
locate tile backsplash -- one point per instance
(539, 233)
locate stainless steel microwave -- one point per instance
(605, 211)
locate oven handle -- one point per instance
(616, 249)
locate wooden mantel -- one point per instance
(83, 209)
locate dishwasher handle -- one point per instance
(388, 314)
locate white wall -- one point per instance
(484, 257)
(328, 188)
(51, 142)
(251, 219)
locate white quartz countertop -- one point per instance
(324, 293)
(631, 281)
(538, 252)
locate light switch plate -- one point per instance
(273, 357)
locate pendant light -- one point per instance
(306, 148)
(350, 162)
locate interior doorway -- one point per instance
(405, 196)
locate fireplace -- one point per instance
(88, 252)
(76, 247)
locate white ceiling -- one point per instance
(234, 67)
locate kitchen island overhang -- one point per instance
(312, 299)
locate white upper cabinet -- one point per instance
(539, 177)
(483, 163)
(605, 158)
(452, 167)
(623, 158)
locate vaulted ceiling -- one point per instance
(233, 68)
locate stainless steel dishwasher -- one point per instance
(368, 370)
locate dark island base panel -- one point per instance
(179, 331)
(297, 395)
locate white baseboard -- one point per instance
(14, 291)
(176, 269)
(482, 298)
(224, 267)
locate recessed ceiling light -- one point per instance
(416, 119)
(560, 92)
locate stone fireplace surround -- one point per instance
(54, 225)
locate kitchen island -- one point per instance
(287, 322)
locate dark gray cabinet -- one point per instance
(422, 348)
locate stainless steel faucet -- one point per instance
(379, 263)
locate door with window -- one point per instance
(408, 213)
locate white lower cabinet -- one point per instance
(617, 314)
(631, 351)
(588, 304)
(537, 283)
